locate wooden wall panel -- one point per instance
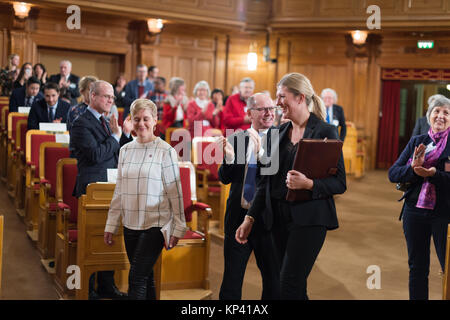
(189, 55)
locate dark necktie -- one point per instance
(50, 114)
(105, 126)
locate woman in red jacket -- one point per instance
(175, 106)
(200, 111)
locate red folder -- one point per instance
(316, 159)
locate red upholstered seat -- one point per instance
(51, 156)
(14, 124)
(189, 205)
(186, 187)
(5, 121)
(23, 135)
(73, 235)
(69, 177)
(205, 163)
(192, 235)
(36, 140)
(52, 206)
(213, 189)
(120, 119)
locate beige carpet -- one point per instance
(369, 234)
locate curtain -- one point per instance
(389, 125)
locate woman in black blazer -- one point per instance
(298, 228)
(424, 169)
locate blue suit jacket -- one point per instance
(402, 172)
(338, 114)
(39, 113)
(95, 150)
(132, 93)
(17, 99)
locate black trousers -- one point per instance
(236, 257)
(418, 229)
(297, 248)
(143, 249)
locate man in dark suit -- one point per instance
(49, 109)
(239, 169)
(26, 96)
(95, 144)
(137, 88)
(421, 126)
(67, 81)
(335, 113)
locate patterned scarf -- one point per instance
(427, 196)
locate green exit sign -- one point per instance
(421, 44)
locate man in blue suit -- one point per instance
(95, 143)
(26, 96)
(49, 109)
(137, 88)
(335, 113)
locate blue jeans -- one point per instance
(418, 227)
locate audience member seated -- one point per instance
(26, 96)
(49, 109)
(13, 62)
(174, 109)
(119, 90)
(235, 113)
(65, 79)
(25, 72)
(159, 94)
(153, 74)
(9, 74)
(80, 108)
(218, 98)
(200, 111)
(40, 72)
(137, 88)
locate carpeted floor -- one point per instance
(369, 234)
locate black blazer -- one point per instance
(72, 88)
(17, 99)
(402, 172)
(95, 150)
(338, 114)
(320, 211)
(39, 113)
(421, 126)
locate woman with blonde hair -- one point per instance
(298, 228)
(175, 106)
(147, 197)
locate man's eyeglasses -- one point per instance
(268, 109)
(113, 98)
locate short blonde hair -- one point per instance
(144, 104)
(202, 84)
(86, 82)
